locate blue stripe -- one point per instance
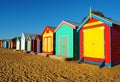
(103, 20)
(98, 63)
(98, 18)
(91, 62)
(83, 23)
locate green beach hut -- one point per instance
(67, 40)
(30, 38)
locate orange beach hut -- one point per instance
(48, 40)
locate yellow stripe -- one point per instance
(93, 23)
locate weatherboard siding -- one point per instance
(47, 41)
(65, 31)
(116, 44)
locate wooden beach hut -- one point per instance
(67, 40)
(37, 43)
(4, 43)
(30, 39)
(8, 42)
(0, 43)
(99, 40)
(13, 43)
(48, 40)
(18, 43)
(24, 41)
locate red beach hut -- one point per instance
(99, 41)
(37, 43)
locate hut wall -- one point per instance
(116, 44)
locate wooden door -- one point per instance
(29, 45)
(60, 45)
(94, 42)
(63, 46)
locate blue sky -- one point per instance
(31, 16)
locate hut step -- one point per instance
(102, 64)
(81, 60)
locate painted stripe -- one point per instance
(83, 23)
(93, 23)
(98, 18)
(103, 20)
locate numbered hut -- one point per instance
(48, 40)
(67, 40)
(99, 40)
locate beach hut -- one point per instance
(30, 39)
(37, 43)
(48, 43)
(24, 41)
(67, 40)
(8, 43)
(99, 40)
(18, 43)
(13, 43)
(0, 43)
(4, 44)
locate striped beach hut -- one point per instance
(18, 43)
(37, 43)
(67, 40)
(48, 40)
(99, 40)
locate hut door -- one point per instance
(94, 42)
(45, 44)
(29, 46)
(63, 46)
(60, 46)
(49, 44)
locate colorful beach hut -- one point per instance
(37, 43)
(4, 43)
(24, 41)
(8, 41)
(30, 39)
(13, 43)
(99, 41)
(0, 43)
(48, 40)
(18, 43)
(67, 40)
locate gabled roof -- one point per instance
(27, 34)
(69, 23)
(50, 27)
(31, 36)
(14, 39)
(107, 21)
(37, 35)
(18, 38)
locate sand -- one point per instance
(18, 66)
